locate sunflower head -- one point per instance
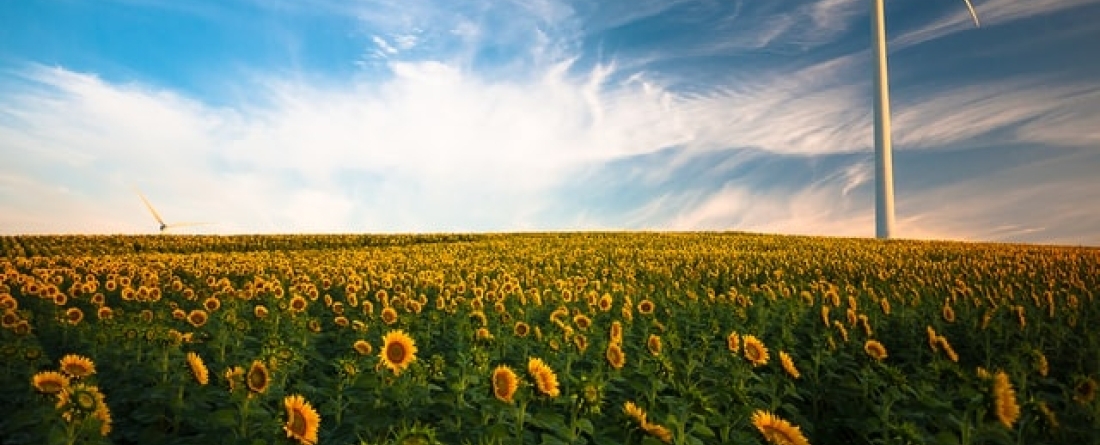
(398, 351)
(1005, 405)
(389, 315)
(80, 400)
(302, 421)
(658, 431)
(634, 412)
(258, 377)
(212, 304)
(653, 343)
(615, 356)
(1085, 391)
(875, 349)
(776, 430)
(197, 318)
(645, 307)
(582, 322)
(755, 351)
(545, 379)
(74, 316)
(77, 366)
(733, 342)
(362, 347)
(298, 304)
(788, 364)
(235, 378)
(50, 382)
(198, 368)
(521, 329)
(505, 383)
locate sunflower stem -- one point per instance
(244, 416)
(521, 410)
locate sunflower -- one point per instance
(74, 316)
(948, 314)
(875, 349)
(634, 412)
(50, 382)
(777, 431)
(104, 313)
(505, 383)
(733, 342)
(1085, 391)
(933, 339)
(197, 318)
(298, 304)
(389, 315)
(80, 400)
(212, 304)
(825, 315)
(302, 421)
(260, 311)
(521, 329)
(258, 377)
(645, 307)
(582, 322)
(843, 331)
(398, 351)
(1004, 400)
(788, 364)
(615, 356)
(9, 319)
(483, 334)
(581, 342)
(659, 432)
(198, 368)
(362, 347)
(77, 366)
(755, 351)
(1041, 364)
(545, 378)
(654, 344)
(605, 303)
(616, 332)
(235, 377)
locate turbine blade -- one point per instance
(973, 14)
(149, 206)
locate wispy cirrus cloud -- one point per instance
(990, 13)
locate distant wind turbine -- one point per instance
(163, 226)
(884, 163)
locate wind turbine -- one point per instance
(884, 162)
(163, 226)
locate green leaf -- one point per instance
(702, 430)
(586, 426)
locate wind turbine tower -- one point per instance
(884, 153)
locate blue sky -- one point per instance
(279, 116)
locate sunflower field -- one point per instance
(546, 338)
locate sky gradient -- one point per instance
(270, 116)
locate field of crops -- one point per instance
(590, 338)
